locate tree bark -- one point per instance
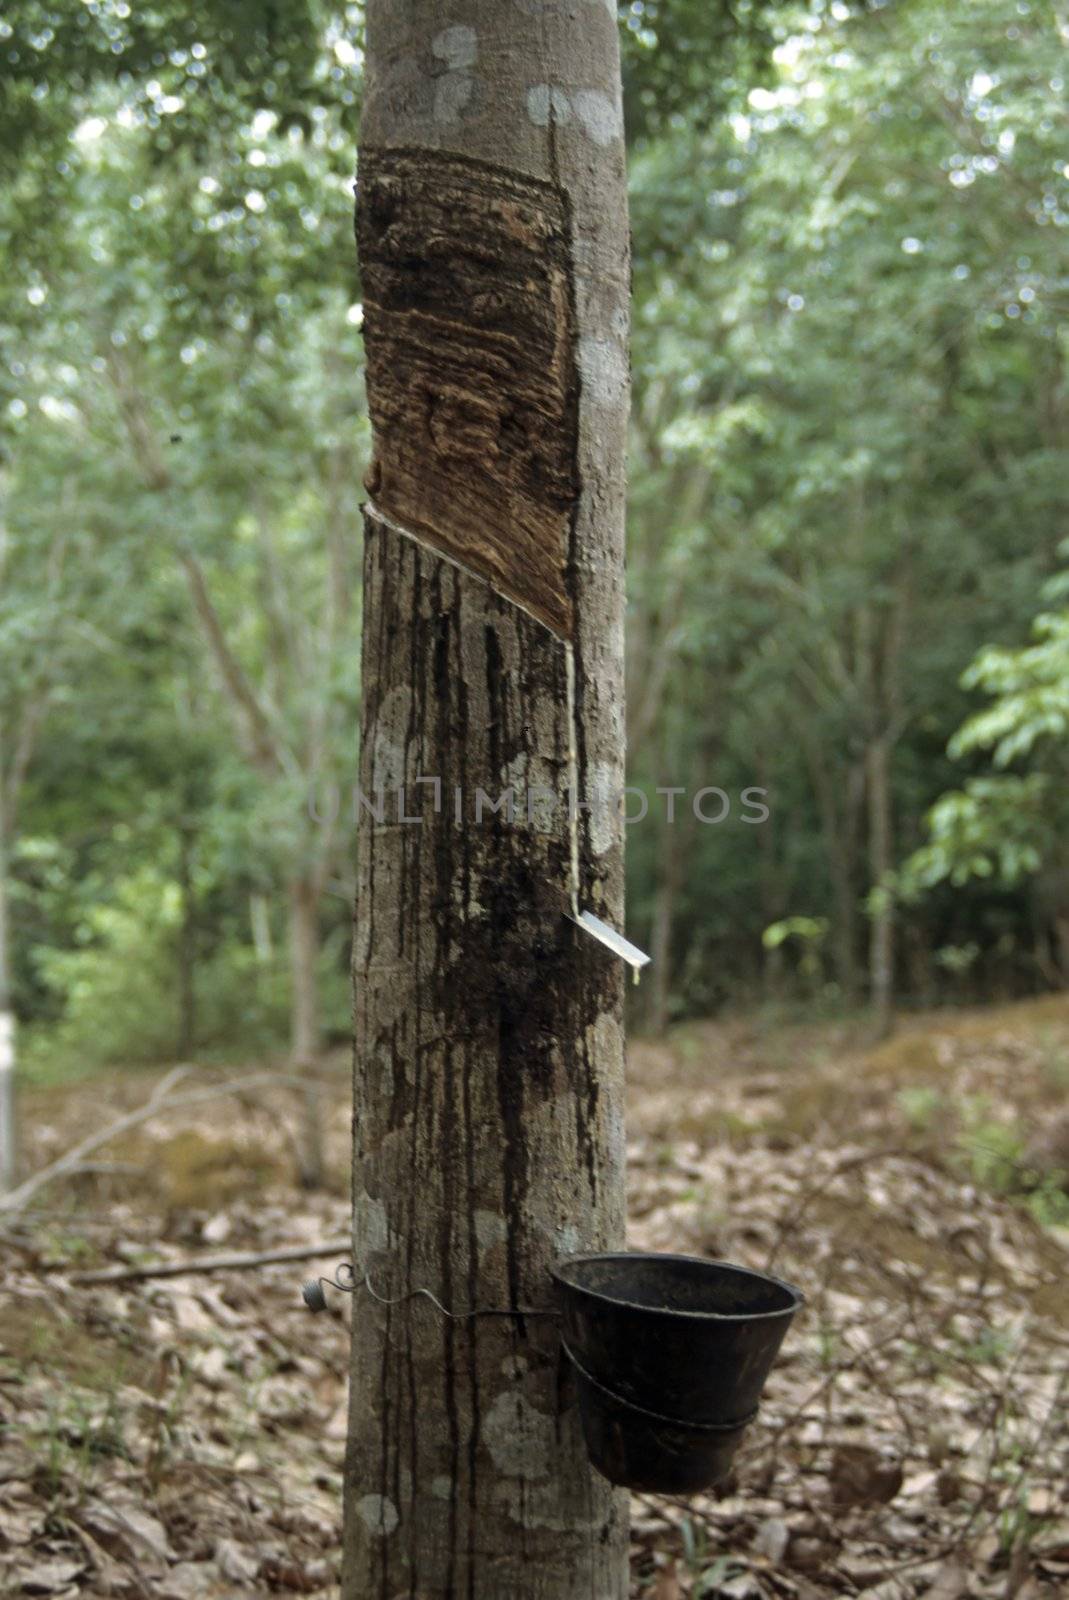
(670, 865)
(881, 861)
(677, 837)
(772, 884)
(1061, 934)
(838, 822)
(260, 927)
(187, 944)
(489, 1054)
(305, 1035)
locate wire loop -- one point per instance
(347, 1282)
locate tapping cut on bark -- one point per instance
(472, 377)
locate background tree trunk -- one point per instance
(260, 927)
(837, 806)
(489, 1053)
(669, 877)
(305, 1035)
(881, 861)
(187, 943)
(8, 1137)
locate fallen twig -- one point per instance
(236, 1260)
(160, 1100)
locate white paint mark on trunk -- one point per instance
(370, 1224)
(457, 47)
(544, 100)
(604, 810)
(490, 1229)
(362, 937)
(566, 1239)
(378, 1514)
(602, 118)
(515, 773)
(603, 369)
(452, 95)
(520, 1439)
(388, 766)
(607, 1042)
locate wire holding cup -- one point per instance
(313, 1293)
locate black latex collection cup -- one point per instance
(671, 1354)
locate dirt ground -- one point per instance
(182, 1438)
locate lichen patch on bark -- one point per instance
(600, 117)
(378, 1514)
(458, 47)
(472, 379)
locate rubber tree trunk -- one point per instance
(491, 221)
(305, 1035)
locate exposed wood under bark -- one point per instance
(472, 379)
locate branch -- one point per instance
(25, 743)
(263, 746)
(160, 1100)
(142, 439)
(236, 1261)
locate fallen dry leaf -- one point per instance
(861, 1476)
(667, 1586)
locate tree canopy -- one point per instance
(847, 484)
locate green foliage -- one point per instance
(992, 1151)
(669, 47)
(845, 479)
(810, 934)
(182, 444)
(811, 930)
(115, 988)
(220, 60)
(1008, 826)
(847, 482)
(991, 827)
(921, 1105)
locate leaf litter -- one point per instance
(184, 1438)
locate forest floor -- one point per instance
(182, 1438)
